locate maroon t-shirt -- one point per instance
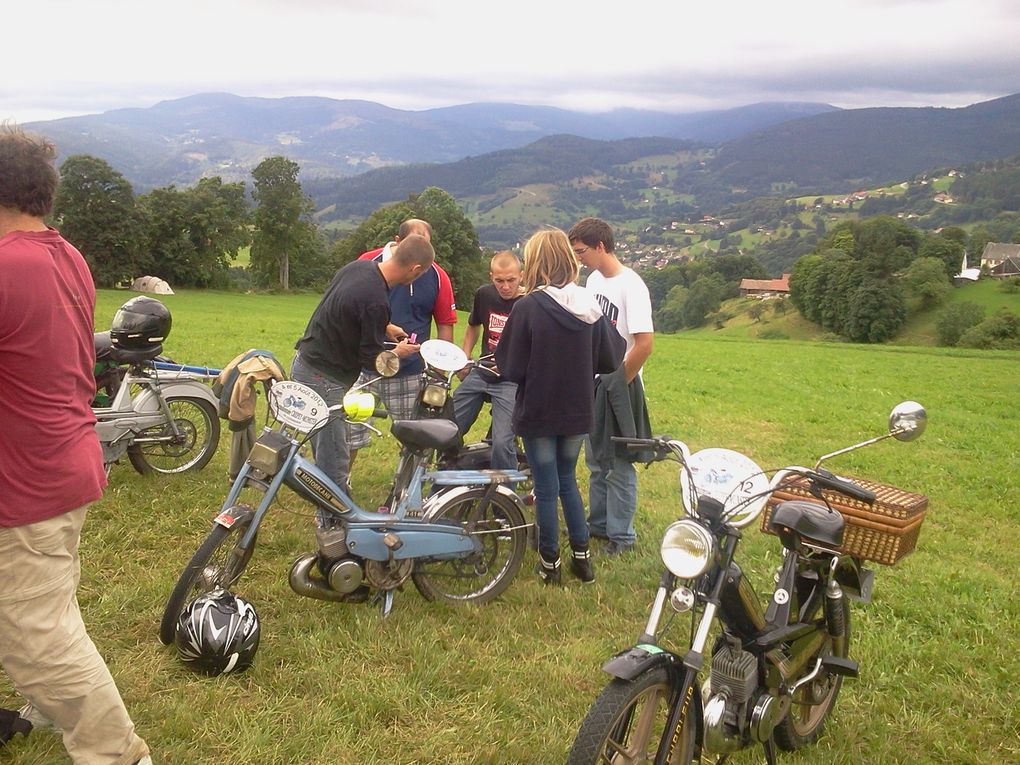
(50, 458)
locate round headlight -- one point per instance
(434, 395)
(687, 548)
(359, 406)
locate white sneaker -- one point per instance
(146, 760)
(38, 719)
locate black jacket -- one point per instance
(348, 328)
(620, 410)
(553, 356)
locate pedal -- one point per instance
(840, 666)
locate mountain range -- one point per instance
(502, 160)
(181, 140)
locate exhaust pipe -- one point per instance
(302, 582)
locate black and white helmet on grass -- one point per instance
(218, 633)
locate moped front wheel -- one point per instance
(498, 525)
(625, 725)
(217, 564)
(158, 450)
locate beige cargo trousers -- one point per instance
(45, 649)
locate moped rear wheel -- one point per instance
(498, 525)
(813, 702)
(198, 426)
(217, 564)
(625, 724)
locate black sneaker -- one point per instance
(580, 565)
(548, 571)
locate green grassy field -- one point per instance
(510, 682)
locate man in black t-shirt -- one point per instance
(488, 315)
(348, 329)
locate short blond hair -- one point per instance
(505, 259)
(549, 260)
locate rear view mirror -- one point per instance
(387, 364)
(907, 421)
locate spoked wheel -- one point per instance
(158, 450)
(625, 724)
(812, 702)
(218, 563)
(498, 525)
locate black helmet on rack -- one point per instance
(141, 324)
(218, 633)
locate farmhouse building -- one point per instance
(1007, 269)
(996, 254)
(765, 287)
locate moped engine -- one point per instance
(339, 574)
(732, 686)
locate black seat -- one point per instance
(799, 518)
(103, 345)
(427, 434)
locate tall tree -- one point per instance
(192, 234)
(453, 237)
(283, 229)
(926, 279)
(95, 210)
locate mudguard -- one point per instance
(856, 580)
(148, 402)
(643, 657)
(440, 498)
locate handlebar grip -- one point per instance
(381, 413)
(632, 442)
(851, 489)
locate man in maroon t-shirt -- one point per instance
(51, 467)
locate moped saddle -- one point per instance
(426, 434)
(799, 518)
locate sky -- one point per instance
(73, 57)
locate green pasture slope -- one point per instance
(510, 682)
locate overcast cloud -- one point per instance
(70, 57)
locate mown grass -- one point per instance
(510, 682)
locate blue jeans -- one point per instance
(329, 446)
(467, 403)
(553, 461)
(612, 499)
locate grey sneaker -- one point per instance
(616, 548)
(38, 719)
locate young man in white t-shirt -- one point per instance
(612, 496)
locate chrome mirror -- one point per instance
(387, 364)
(907, 421)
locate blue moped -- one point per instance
(460, 535)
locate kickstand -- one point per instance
(770, 750)
(386, 598)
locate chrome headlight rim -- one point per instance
(687, 548)
(434, 395)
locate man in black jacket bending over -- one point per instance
(348, 329)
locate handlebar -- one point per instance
(827, 480)
(666, 448)
(662, 447)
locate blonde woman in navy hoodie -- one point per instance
(554, 343)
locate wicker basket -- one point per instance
(883, 532)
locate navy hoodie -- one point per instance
(554, 343)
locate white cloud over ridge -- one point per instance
(592, 56)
